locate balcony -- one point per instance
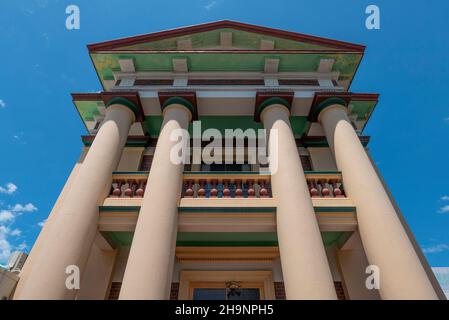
(227, 185)
(226, 202)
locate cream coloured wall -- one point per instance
(274, 266)
(322, 159)
(97, 276)
(120, 264)
(352, 263)
(333, 264)
(130, 160)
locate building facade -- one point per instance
(134, 224)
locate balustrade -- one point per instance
(212, 185)
(225, 185)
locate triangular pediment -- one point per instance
(225, 35)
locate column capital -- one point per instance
(186, 99)
(265, 99)
(323, 100)
(321, 103)
(131, 100)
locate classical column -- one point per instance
(47, 225)
(384, 238)
(151, 259)
(73, 227)
(304, 262)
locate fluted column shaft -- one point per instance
(73, 227)
(150, 264)
(384, 238)
(304, 263)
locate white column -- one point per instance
(73, 228)
(384, 238)
(304, 262)
(47, 225)
(151, 259)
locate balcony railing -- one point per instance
(325, 184)
(227, 185)
(128, 184)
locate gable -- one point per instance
(215, 36)
(211, 40)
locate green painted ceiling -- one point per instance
(188, 239)
(107, 63)
(148, 56)
(363, 109)
(88, 109)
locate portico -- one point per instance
(139, 226)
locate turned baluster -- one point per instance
(202, 190)
(128, 191)
(342, 190)
(214, 190)
(118, 189)
(325, 192)
(263, 192)
(226, 191)
(251, 191)
(312, 188)
(238, 188)
(140, 190)
(189, 189)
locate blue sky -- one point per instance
(43, 62)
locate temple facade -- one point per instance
(314, 221)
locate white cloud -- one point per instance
(444, 198)
(212, 4)
(5, 246)
(6, 215)
(22, 246)
(29, 207)
(444, 209)
(41, 224)
(9, 189)
(436, 248)
(16, 232)
(446, 120)
(2, 104)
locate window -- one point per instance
(226, 285)
(226, 291)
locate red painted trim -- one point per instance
(345, 96)
(218, 51)
(261, 96)
(110, 45)
(190, 96)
